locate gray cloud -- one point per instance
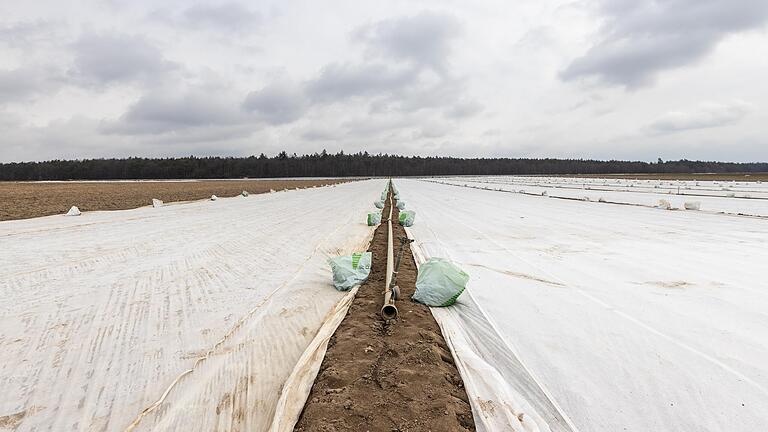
(9, 120)
(406, 68)
(642, 38)
(424, 39)
(433, 95)
(83, 137)
(706, 115)
(27, 33)
(277, 103)
(229, 17)
(432, 130)
(350, 130)
(24, 83)
(161, 112)
(397, 77)
(380, 126)
(106, 58)
(464, 109)
(205, 77)
(340, 81)
(319, 133)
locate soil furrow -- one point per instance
(395, 376)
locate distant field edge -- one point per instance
(25, 200)
(742, 176)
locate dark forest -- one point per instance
(343, 165)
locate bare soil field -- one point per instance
(672, 176)
(21, 200)
(395, 376)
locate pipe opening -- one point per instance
(389, 312)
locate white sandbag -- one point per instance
(245, 193)
(692, 205)
(350, 270)
(157, 203)
(439, 283)
(406, 218)
(214, 197)
(379, 204)
(664, 204)
(74, 211)
(374, 218)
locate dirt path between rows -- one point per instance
(21, 200)
(398, 376)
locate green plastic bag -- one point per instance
(407, 218)
(439, 283)
(350, 270)
(374, 218)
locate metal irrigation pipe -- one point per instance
(388, 310)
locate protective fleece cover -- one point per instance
(601, 317)
(191, 318)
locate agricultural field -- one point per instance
(739, 177)
(591, 306)
(749, 198)
(21, 200)
(183, 317)
(594, 316)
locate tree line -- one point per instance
(342, 165)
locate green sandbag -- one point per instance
(350, 270)
(407, 217)
(374, 218)
(439, 283)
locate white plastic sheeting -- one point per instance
(748, 198)
(297, 387)
(597, 317)
(185, 317)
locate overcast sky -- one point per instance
(625, 79)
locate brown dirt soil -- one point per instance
(396, 376)
(21, 200)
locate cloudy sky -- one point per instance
(628, 79)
